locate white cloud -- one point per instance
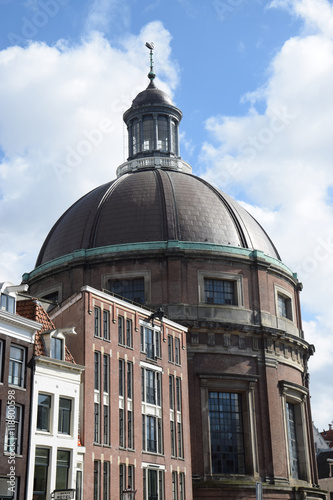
(280, 162)
(60, 129)
(105, 13)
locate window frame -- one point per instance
(40, 410)
(15, 362)
(297, 396)
(55, 352)
(282, 293)
(106, 324)
(244, 385)
(97, 321)
(107, 280)
(46, 466)
(60, 467)
(237, 279)
(97, 371)
(62, 412)
(153, 349)
(18, 423)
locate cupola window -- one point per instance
(148, 133)
(162, 142)
(173, 134)
(136, 137)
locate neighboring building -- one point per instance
(162, 237)
(16, 351)
(55, 461)
(325, 471)
(320, 443)
(328, 436)
(135, 417)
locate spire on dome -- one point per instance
(151, 74)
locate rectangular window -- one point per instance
(219, 291)
(171, 392)
(292, 440)
(131, 289)
(78, 490)
(106, 425)
(9, 489)
(170, 349)
(121, 334)
(151, 433)
(57, 348)
(226, 433)
(181, 486)
(130, 477)
(106, 325)
(158, 344)
(180, 440)
(16, 366)
(63, 464)
(43, 412)
(13, 433)
(106, 373)
(284, 306)
(151, 386)
(106, 480)
(96, 423)
(7, 303)
(41, 473)
(129, 380)
(177, 351)
(174, 486)
(1, 358)
(64, 421)
(129, 333)
(121, 377)
(97, 366)
(130, 440)
(97, 480)
(122, 480)
(97, 321)
(121, 428)
(173, 438)
(153, 484)
(179, 394)
(150, 342)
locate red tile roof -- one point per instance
(328, 436)
(32, 309)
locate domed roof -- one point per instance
(154, 205)
(151, 96)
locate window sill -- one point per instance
(9, 454)
(18, 387)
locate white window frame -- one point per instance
(22, 363)
(160, 470)
(156, 339)
(237, 279)
(153, 410)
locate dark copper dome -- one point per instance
(154, 205)
(152, 96)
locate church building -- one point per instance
(165, 239)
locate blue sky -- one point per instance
(254, 82)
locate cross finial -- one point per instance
(151, 74)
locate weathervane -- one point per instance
(151, 74)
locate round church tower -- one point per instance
(162, 237)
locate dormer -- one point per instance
(8, 295)
(55, 342)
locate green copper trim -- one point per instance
(155, 246)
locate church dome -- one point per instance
(154, 205)
(155, 197)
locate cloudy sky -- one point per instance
(254, 80)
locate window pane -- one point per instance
(41, 473)
(219, 292)
(43, 412)
(226, 433)
(163, 139)
(16, 366)
(131, 289)
(63, 463)
(64, 422)
(292, 438)
(148, 133)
